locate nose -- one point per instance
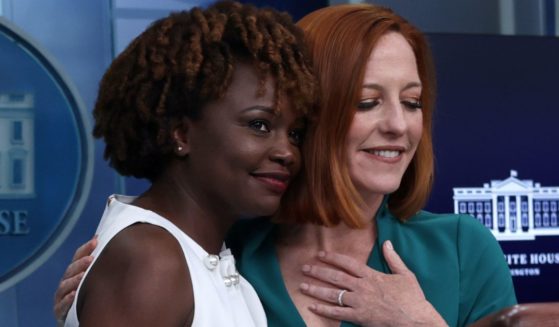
(393, 121)
(284, 152)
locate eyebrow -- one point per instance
(375, 86)
(269, 110)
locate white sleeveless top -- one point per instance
(221, 296)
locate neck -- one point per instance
(370, 207)
(199, 219)
(340, 238)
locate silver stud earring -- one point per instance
(179, 148)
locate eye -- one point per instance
(297, 136)
(413, 104)
(367, 104)
(259, 126)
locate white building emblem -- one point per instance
(512, 209)
(17, 178)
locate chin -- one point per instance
(391, 189)
(264, 208)
(374, 189)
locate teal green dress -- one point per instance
(457, 261)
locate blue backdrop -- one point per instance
(497, 111)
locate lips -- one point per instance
(274, 181)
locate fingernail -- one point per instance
(304, 286)
(389, 245)
(321, 254)
(306, 268)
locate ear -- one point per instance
(182, 144)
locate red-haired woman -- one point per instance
(350, 243)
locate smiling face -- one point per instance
(242, 152)
(388, 122)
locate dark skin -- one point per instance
(148, 279)
(240, 143)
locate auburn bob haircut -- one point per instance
(340, 40)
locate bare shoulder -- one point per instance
(140, 278)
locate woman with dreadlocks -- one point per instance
(203, 104)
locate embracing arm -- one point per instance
(66, 290)
(140, 279)
(373, 298)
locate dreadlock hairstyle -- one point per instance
(183, 61)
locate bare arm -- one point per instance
(140, 279)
